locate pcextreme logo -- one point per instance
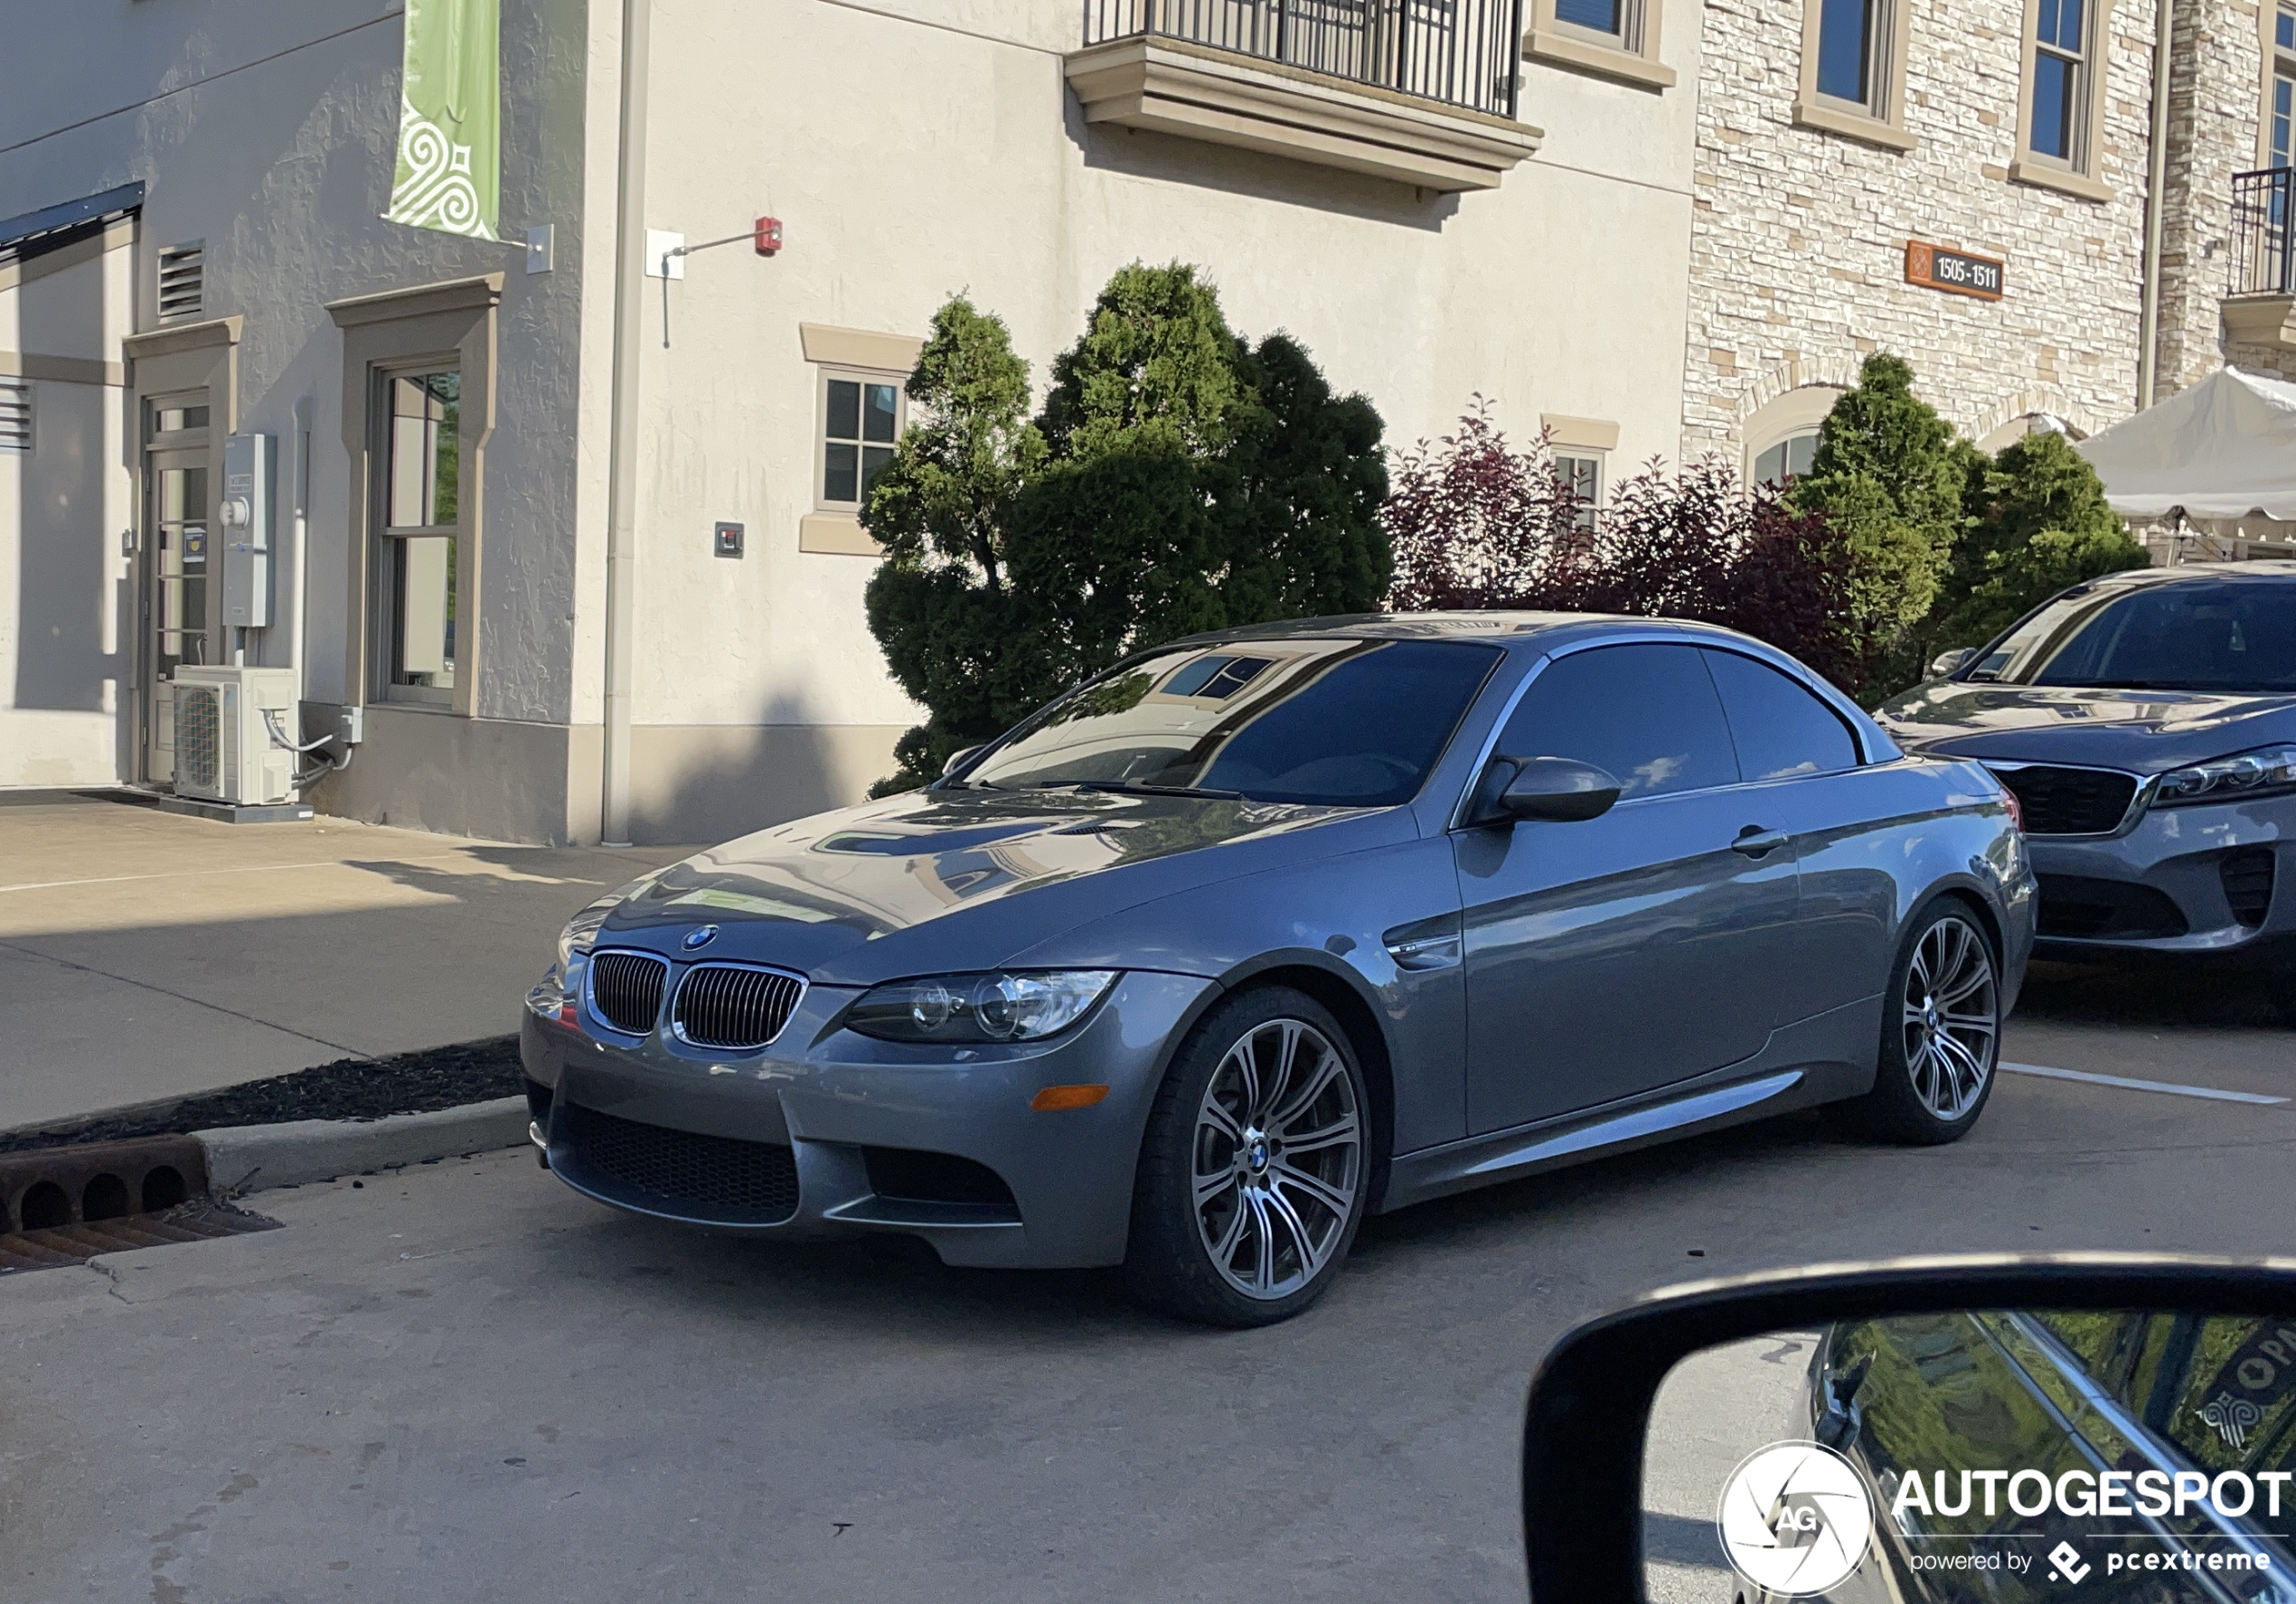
(1795, 1518)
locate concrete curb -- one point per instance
(256, 1158)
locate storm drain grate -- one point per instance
(61, 1245)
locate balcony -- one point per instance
(1419, 91)
(2260, 310)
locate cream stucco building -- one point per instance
(1659, 228)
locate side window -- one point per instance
(1779, 728)
(1647, 713)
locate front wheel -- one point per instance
(1940, 1033)
(1252, 1176)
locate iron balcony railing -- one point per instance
(1463, 52)
(2262, 263)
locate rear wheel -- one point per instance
(1940, 1033)
(1252, 1176)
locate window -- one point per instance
(1581, 474)
(421, 522)
(1789, 458)
(183, 281)
(1608, 38)
(1852, 69)
(2280, 115)
(861, 421)
(15, 415)
(2236, 635)
(1648, 714)
(1340, 723)
(1778, 727)
(2060, 80)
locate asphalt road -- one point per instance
(467, 1384)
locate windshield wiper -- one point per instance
(1138, 788)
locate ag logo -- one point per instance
(1795, 1518)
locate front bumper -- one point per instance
(2209, 881)
(838, 1102)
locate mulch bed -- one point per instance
(346, 1089)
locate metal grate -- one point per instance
(2069, 801)
(53, 1247)
(733, 1004)
(198, 761)
(679, 1172)
(15, 415)
(2248, 884)
(183, 281)
(625, 990)
(1464, 52)
(2262, 263)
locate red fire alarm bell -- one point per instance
(768, 236)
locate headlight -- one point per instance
(2268, 768)
(992, 1007)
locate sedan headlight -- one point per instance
(2268, 768)
(1004, 1006)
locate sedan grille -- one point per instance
(734, 1006)
(680, 1172)
(625, 990)
(2248, 884)
(2069, 800)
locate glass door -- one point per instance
(177, 611)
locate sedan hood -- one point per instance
(2144, 732)
(935, 881)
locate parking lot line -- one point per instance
(2126, 1084)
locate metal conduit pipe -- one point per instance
(2155, 183)
(621, 528)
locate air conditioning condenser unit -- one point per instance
(225, 747)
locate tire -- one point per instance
(1940, 1033)
(1236, 1220)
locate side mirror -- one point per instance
(1945, 663)
(958, 759)
(1547, 790)
(1821, 1432)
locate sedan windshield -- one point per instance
(2185, 634)
(1344, 723)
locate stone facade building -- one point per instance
(1655, 229)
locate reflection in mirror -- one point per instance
(2002, 1455)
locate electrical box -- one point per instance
(233, 729)
(249, 483)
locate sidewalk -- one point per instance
(144, 955)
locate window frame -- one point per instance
(2079, 175)
(1859, 756)
(390, 553)
(2279, 69)
(1798, 412)
(1629, 56)
(825, 372)
(1588, 519)
(1880, 120)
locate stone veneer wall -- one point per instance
(2216, 99)
(1797, 238)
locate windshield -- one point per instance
(2184, 634)
(1344, 723)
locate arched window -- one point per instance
(1781, 436)
(2028, 422)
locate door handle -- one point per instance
(1757, 842)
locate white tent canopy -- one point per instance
(2224, 448)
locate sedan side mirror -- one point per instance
(1945, 663)
(1791, 1434)
(1549, 790)
(958, 759)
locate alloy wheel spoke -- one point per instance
(1248, 1077)
(1221, 1122)
(1263, 1244)
(1327, 1069)
(1209, 1187)
(1331, 1197)
(1280, 1208)
(1958, 1055)
(1341, 1131)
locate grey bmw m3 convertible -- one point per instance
(1262, 931)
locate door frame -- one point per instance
(155, 458)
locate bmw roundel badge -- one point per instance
(702, 937)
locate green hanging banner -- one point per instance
(449, 175)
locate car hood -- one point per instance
(2145, 732)
(944, 881)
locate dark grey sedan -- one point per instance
(1261, 931)
(2147, 722)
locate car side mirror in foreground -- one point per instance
(1945, 663)
(1930, 1428)
(958, 759)
(1552, 790)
